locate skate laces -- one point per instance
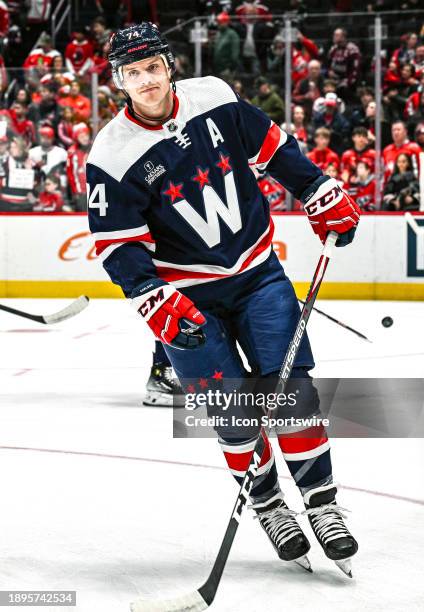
(328, 520)
(280, 523)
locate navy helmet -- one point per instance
(136, 43)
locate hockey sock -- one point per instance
(159, 356)
(237, 454)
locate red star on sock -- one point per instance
(191, 389)
(202, 177)
(174, 191)
(203, 383)
(223, 163)
(217, 375)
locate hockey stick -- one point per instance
(324, 314)
(204, 596)
(71, 310)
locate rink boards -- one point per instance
(53, 256)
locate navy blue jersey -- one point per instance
(180, 201)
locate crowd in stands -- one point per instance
(46, 110)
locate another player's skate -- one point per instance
(326, 519)
(282, 528)
(162, 388)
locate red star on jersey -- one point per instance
(202, 177)
(203, 383)
(191, 389)
(223, 163)
(217, 375)
(174, 191)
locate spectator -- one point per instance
(301, 130)
(46, 110)
(322, 155)
(100, 32)
(250, 12)
(80, 104)
(303, 50)
(75, 166)
(101, 65)
(106, 105)
(418, 61)
(20, 124)
(268, 100)
(401, 144)
(4, 19)
(332, 170)
(332, 119)
(18, 182)
(273, 191)
(47, 157)
(391, 78)
(418, 115)
(50, 199)
(4, 154)
(238, 87)
(57, 76)
(66, 127)
(402, 190)
(226, 48)
(361, 151)
(43, 55)
(406, 52)
(413, 101)
(4, 81)
(419, 135)
(358, 117)
(79, 53)
(308, 89)
(23, 97)
(344, 63)
(362, 188)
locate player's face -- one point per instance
(147, 81)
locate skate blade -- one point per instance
(346, 566)
(304, 563)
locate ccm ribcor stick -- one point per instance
(324, 314)
(204, 596)
(71, 310)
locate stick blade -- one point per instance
(193, 602)
(70, 311)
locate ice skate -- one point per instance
(163, 388)
(283, 530)
(326, 519)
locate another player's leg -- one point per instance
(162, 388)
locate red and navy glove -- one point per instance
(329, 208)
(172, 317)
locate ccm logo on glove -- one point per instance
(329, 208)
(172, 317)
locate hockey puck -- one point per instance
(387, 322)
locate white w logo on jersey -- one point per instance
(209, 230)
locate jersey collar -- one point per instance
(146, 126)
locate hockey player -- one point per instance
(174, 205)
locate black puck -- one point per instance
(387, 321)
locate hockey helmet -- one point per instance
(136, 43)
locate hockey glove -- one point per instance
(330, 208)
(172, 317)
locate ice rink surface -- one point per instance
(97, 497)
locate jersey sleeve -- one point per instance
(122, 237)
(270, 148)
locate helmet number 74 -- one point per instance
(99, 194)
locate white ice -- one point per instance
(97, 497)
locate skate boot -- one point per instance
(282, 528)
(163, 389)
(326, 519)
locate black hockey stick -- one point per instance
(204, 596)
(71, 310)
(324, 314)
